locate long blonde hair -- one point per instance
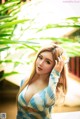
(56, 52)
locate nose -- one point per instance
(41, 63)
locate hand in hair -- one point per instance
(59, 63)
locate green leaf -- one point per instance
(12, 23)
(9, 74)
(4, 48)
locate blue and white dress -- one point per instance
(42, 101)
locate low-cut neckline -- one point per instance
(34, 94)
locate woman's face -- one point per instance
(44, 63)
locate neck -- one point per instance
(43, 78)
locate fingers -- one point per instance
(59, 60)
(59, 63)
(55, 61)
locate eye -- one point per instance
(48, 62)
(40, 57)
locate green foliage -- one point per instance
(20, 37)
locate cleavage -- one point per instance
(32, 90)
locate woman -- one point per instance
(45, 85)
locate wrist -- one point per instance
(56, 71)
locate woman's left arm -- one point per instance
(54, 78)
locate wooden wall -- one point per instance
(74, 66)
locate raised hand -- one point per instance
(59, 63)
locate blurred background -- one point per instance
(25, 26)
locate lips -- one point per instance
(39, 68)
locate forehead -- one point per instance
(47, 55)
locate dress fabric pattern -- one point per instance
(42, 101)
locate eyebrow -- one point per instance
(49, 60)
(46, 58)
